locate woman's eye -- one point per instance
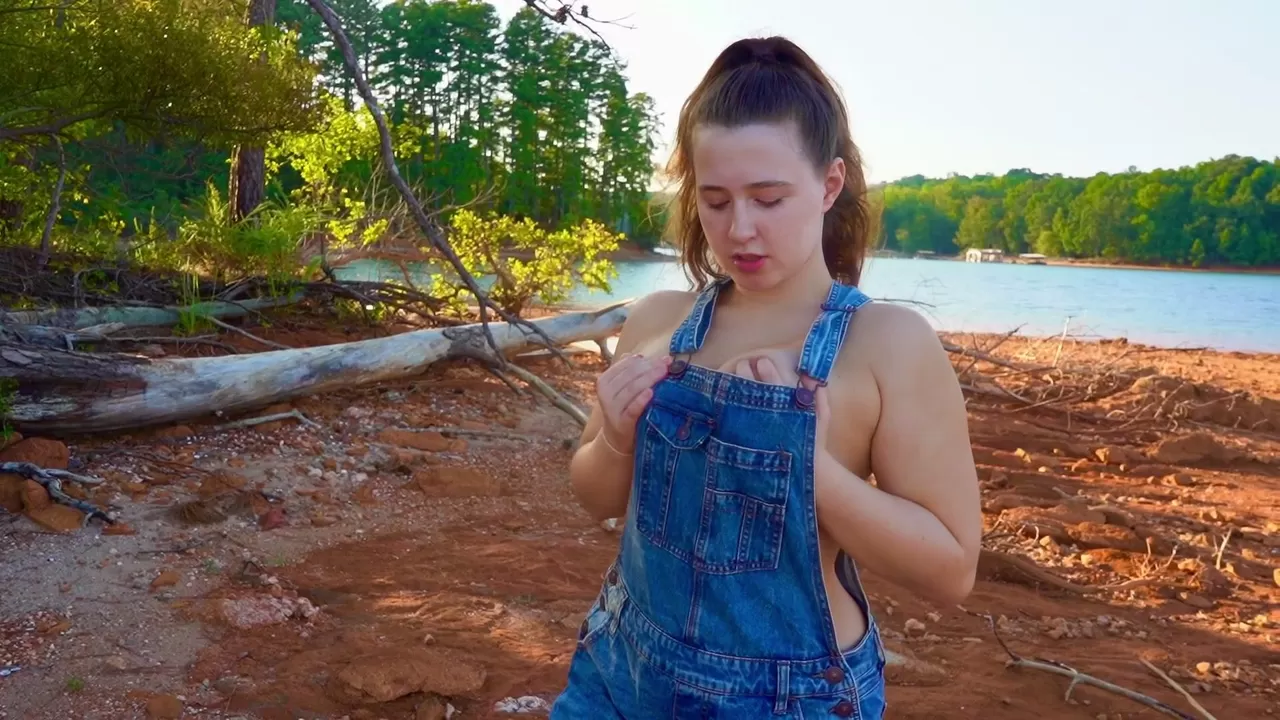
(719, 205)
(770, 203)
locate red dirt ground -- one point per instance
(453, 570)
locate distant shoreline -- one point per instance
(987, 337)
(632, 253)
(1106, 264)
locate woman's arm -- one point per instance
(921, 525)
(600, 474)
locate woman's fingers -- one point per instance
(620, 374)
(642, 379)
(767, 372)
(633, 409)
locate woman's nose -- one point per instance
(743, 225)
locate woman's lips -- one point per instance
(748, 262)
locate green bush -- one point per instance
(518, 261)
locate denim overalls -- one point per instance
(715, 606)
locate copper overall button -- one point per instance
(677, 366)
(582, 631)
(844, 708)
(613, 576)
(804, 396)
(834, 675)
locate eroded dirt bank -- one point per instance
(419, 550)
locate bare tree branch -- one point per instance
(55, 204)
(433, 231)
(51, 128)
(581, 16)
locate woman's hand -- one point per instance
(623, 391)
(777, 367)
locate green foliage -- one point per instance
(1222, 212)
(8, 391)
(335, 165)
(526, 120)
(158, 66)
(521, 261)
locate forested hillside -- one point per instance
(1223, 212)
(227, 134)
(152, 122)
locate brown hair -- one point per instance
(772, 80)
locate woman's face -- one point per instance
(760, 200)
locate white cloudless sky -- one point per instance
(983, 86)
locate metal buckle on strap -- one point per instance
(807, 395)
(678, 365)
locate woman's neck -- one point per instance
(804, 291)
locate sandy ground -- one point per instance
(371, 567)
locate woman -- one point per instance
(737, 425)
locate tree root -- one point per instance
(51, 480)
(1010, 568)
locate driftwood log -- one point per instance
(65, 392)
(134, 316)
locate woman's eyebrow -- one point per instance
(759, 184)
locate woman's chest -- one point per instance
(854, 398)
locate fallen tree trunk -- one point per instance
(62, 392)
(56, 337)
(140, 316)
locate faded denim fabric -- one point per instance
(715, 606)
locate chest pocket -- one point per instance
(719, 507)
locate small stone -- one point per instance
(1195, 601)
(913, 627)
(1203, 667)
(164, 707)
(116, 662)
(934, 617)
(166, 578)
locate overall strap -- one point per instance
(826, 337)
(692, 332)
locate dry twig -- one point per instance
(1076, 677)
(1174, 684)
(250, 422)
(246, 333)
(550, 393)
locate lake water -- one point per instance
(1229, 311)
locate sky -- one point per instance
(985, 86)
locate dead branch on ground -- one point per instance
(51, 480)
(1076, 677)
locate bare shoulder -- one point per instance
(654, 315)
(900, 343)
